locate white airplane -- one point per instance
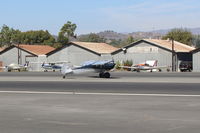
(51, 66)
(101, 67)
(16, 67)
(150, 65)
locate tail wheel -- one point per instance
(107, 75)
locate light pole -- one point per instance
(18, 53)
(173, 56)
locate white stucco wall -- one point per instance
(143, 52)
(11, 56)
(196, 62)
(74, 55)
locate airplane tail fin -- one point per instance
(155, 63)
(65, 69)
(152, 62)
(26, 64)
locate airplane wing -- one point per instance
(160, 67)
(60, 62)
(56, 62)
(150, 67)
(101, 62)
(87, 63)
(130, 67)
(138, 68)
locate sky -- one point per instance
(92, 16)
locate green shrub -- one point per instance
(127, 63)
(117, 65)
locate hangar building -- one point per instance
(20, 54)
(196, 60)
(78, 52)
(154, 49)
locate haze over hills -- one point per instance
(156, 34)
(195, 31)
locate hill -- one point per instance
(111, 35)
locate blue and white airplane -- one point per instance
(51, 66)
(101, 67)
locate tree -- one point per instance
(121, 43)
(92, 37)
(68, 29)
(116, 43)
(8, 36)
(130, 40)
(65, 33)
(62, 39)
(37, 37)
(196, 41)
(180, 35)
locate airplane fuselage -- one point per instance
(93, 68)
(51, 67)
(96, 67)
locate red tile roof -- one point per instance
(101, 48)
(1, 49)
(178, 47)
(37, 49)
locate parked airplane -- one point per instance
(16, 67)
(51, 66)
(101, 67)
(150, 65)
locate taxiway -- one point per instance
(128, 102)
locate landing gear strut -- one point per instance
(104, 75)
(101, 75)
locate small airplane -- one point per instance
(101, 67)
(51, 66)
(16, 67)
(150, 65)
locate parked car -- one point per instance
(185, 66)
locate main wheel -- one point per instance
(107, 75)
(63, 76)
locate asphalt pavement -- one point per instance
(127, 103)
